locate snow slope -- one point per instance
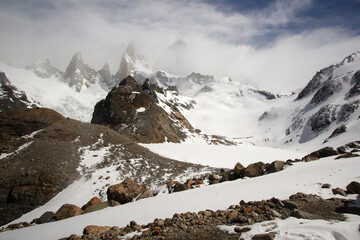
(55, 94)
(221, 156)
(301, 177)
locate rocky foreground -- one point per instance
(205, 224)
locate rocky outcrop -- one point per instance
(323, 118)
(266, 94)
(316, 82)
(355, 90)
(10, 96)
(327, 89)
(126, 191)
(133, 110)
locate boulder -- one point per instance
(347, 155)
(46, 217)
(339, 191)
(254, 169)
(92, 201)
(67, 211)
(124, 192)
(145, 194)
(238, 169)
(353, 188)
(113, 203)
(301, 214)
(180, 187)
(264, 236)
(326, 185)
(324, 152)
(95, 230)
(275, 166)
(96, 207)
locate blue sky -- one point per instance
(275, 44)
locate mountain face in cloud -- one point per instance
(78, 74)
(105, 76)
(261, 41)
(135, 64)
(44, 69)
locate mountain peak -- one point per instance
(78, 74)
(44, 69)
(135, 64)
(105, 76)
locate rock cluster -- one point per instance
(204, 224)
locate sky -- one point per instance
(276, 45)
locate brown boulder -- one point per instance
(125, 192)
(347, 155)
(95, 230)
(339, 191)
(92, 201)
(145, 194)
(353, 188)
(254, 169)
(238, 169)
(264, 236)
(180, 187)
(275, 166)
(324, 152)
(46, 217)
(67, 211)
(96, 207)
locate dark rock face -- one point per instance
(355, 90)
(132, 110)
(322, 118)
(328, 88)
(347, 109)
(10, 96)
(315, 82)
(266, 94)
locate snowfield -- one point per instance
(221, 156)
(301, 177)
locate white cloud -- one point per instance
(178, 36)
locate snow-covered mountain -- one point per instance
(135, 64)
(54, 91)
(44, 69)
(325, 112)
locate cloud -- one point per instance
(178, 36)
